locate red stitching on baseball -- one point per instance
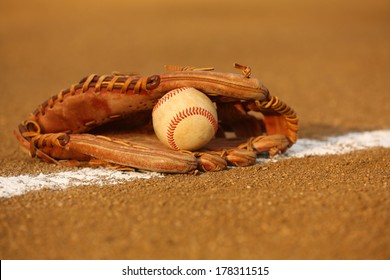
(192, 111)
(168, 96)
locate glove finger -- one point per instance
(139, 157)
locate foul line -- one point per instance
(17, 185)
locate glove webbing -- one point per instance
(286, 111)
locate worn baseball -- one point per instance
(185, 119)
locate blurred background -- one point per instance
(328, 59)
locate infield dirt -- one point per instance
(329, 60)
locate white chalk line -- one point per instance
(17, 185)
(340, 144)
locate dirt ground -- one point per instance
(329, 60)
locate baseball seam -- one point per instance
(192, 111)
(167, 96)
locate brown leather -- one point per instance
(57, 129)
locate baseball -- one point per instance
(185, 119)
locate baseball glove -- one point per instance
(106, 121)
